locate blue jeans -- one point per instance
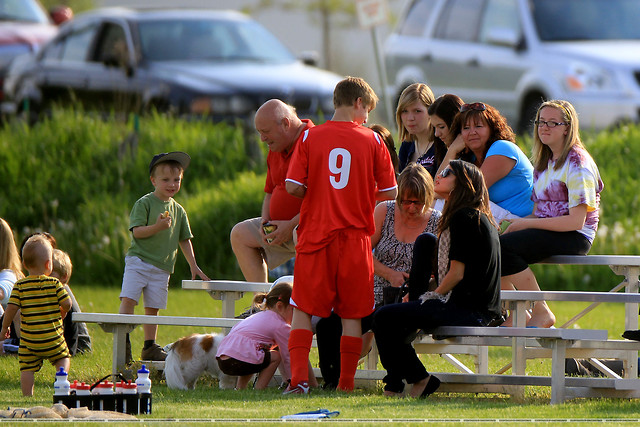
(396, 325)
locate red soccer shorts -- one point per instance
(338, 276)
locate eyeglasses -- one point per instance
(478, 106)
(407, 203)
(541, 123)
(446, 172)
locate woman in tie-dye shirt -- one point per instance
(566, 193)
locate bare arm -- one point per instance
(295, 189)
(9, 314)
(495, 168)
(144, 231)
(66, 305)
(453, 152)
(387, 195)
(452, 278)
(187, 250)
(572, 222)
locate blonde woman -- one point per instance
(419, 144)
(566, 194)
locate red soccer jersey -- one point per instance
(342, 164)
(283, 205)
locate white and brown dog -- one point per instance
(190, 357)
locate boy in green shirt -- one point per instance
(159, 225)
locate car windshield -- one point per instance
(22, 10)
(560, 20)
(207, 40)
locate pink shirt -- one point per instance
(247, 337)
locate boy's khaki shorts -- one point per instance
(143, 278)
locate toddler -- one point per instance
(42, 302)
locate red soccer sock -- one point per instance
(299, 347)
(350, 348)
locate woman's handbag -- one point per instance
(394, 295)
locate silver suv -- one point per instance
(514, 53)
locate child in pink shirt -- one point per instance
(258, 344)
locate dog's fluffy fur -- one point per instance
(190, 357)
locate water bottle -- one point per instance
(62, 386)
(143, 383)
(129, 398)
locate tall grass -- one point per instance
(77, 176)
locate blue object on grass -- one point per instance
(311, 415)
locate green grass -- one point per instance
(209, 402)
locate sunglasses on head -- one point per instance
(446, 172)
(478, 106)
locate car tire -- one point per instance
(528, 112)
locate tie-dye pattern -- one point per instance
(576, 182)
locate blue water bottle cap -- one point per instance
(143, 370)
(61, 372)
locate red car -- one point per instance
(24, 27)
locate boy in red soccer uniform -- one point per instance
(340, 169)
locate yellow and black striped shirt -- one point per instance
(39, 299)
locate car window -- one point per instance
(111, 48)
(76, 45)
(502, 14)
(460, 20)
(416, 18)
(179, 40)
(561, 20)
(22, 10)
(53, 50)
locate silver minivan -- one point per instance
(514, 53)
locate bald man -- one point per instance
(281, 129)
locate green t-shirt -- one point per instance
(161, 249)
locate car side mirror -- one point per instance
(60, 14)
(503, 37)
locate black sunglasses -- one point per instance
(478, 106)
(446, 172)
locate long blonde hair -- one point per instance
(416, 92)
(542, 153)
(9, 258)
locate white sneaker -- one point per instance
(301, 388)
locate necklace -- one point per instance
(425, 150)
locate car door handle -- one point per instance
(473, 62)
(427, 58)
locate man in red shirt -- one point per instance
(280, 128)
(340, 169)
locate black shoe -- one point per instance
(631, 335)
(432, 385)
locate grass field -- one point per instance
(208, 402)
